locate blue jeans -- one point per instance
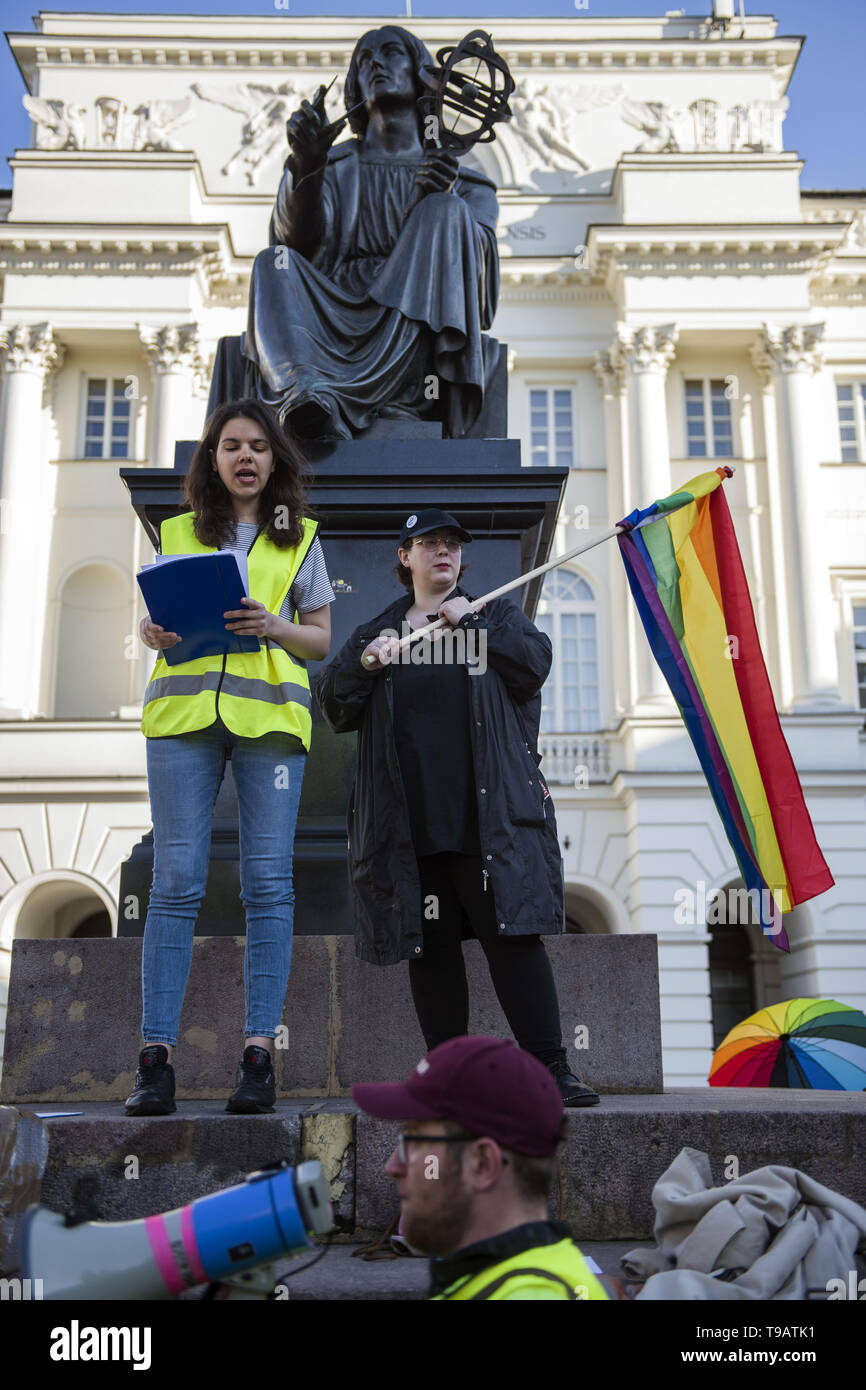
(184, 775)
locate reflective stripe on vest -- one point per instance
(561, 1264)
(248, 688)
(254, 693)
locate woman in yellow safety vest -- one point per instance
(245, 488)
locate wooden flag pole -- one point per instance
(505, 588)
(525, 578)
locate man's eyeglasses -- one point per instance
(404, 1139)
(434, 542)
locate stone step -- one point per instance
(74, 1012)
(613, 1155)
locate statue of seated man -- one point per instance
(382, 270)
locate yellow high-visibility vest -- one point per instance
(254, 693)
(556, 1271)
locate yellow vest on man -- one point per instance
(546, 1271)
(254, 693)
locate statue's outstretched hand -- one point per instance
(437, 174)
(311, 135)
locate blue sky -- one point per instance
(824, 123)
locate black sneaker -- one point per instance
(256, 1089)
(573, 1091)
(154, 1083)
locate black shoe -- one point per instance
(573, 1091)
(256, 1090)
(154, 1083)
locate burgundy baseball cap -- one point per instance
(493, 1089)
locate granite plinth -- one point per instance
(72, 1028)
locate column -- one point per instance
(645, 355)
(177, 364)
(28, 355)
(780, 647)
(790, 357)
(610, 374)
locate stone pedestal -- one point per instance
(364, 489)
(72, 1029)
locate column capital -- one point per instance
(791, 349)
(649, 348)
(609, 369)
(30, 347)
(174, 348)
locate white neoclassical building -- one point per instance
(670, 297)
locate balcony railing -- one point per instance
(573, 760)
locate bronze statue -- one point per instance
(382, 271)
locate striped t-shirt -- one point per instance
(311, 588)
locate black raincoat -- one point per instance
(519, 844)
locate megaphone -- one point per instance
(266, 1217)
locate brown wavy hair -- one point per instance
(209, 498)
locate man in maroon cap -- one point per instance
(480, 1122)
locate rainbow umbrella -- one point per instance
(816, 1044)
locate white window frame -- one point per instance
(555, 608)
(550, 386)
(858, 392)
(849, 588)
(709, 431)
(110, 378)
(858, 603)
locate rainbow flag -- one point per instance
(686, 574)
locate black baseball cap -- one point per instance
(419, 523)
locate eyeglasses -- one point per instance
(434, 542)
(404, 1139)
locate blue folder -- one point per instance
(189, 596)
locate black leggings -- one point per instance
(519, 966)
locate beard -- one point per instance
(438, 1227)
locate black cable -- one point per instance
(323, 1250)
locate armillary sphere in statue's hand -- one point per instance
(464, 102)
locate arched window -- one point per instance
(732, 986)
(62, 909)
(747, 971)
(92, 679)
(567, 612)
(584, 914)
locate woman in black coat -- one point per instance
(451, 826)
